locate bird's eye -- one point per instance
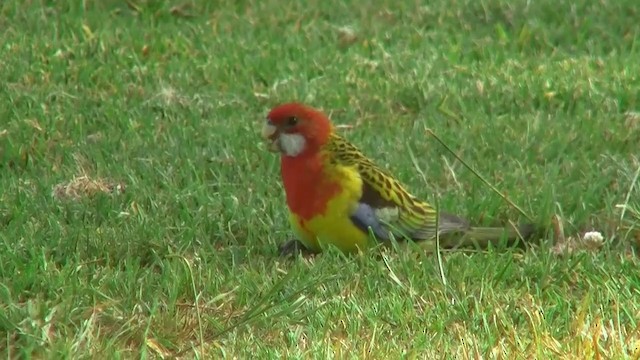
(292, 121)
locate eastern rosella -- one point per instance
(337, 196)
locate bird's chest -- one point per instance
(321, 201)
(310, 190)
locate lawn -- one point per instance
(140, 211)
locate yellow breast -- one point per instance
(334, 227)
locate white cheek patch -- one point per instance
(292, 144)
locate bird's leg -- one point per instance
(294, 247)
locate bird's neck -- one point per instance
(308, 184)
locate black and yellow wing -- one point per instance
(386, 207)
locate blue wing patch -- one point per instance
(365, 218)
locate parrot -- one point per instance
(336, 196)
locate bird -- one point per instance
(336, 196)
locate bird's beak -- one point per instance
(269, 133)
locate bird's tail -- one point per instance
(482, 237)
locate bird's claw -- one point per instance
(294, 247)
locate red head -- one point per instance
(296, 129)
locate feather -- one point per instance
(364, 217)
(385, 206)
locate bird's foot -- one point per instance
(294, 247)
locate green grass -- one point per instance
(166, 98)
